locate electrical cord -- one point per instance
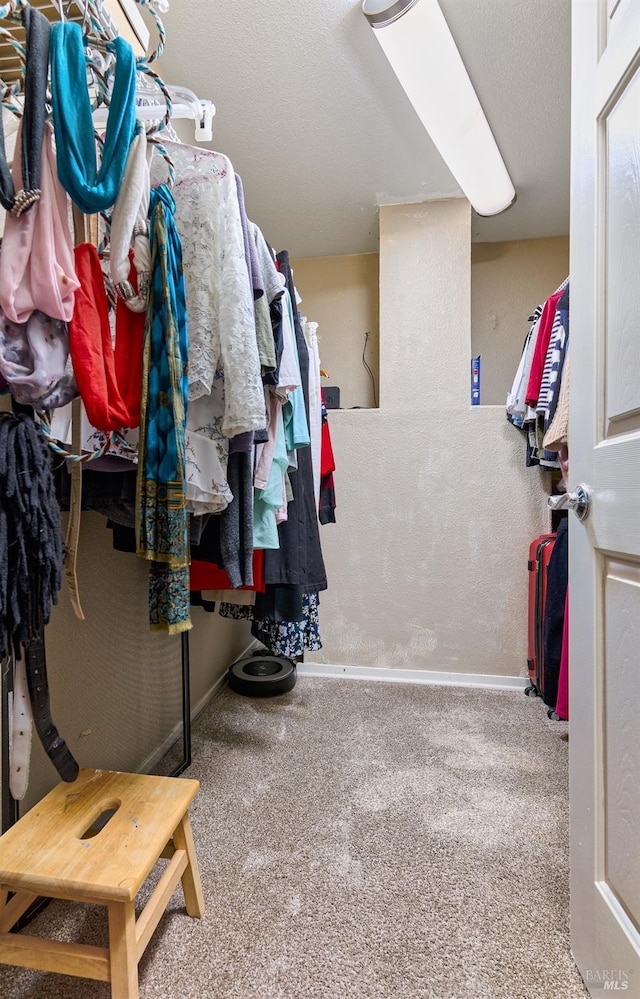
(368, 369)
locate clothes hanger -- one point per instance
(11, 12)
(12, 91)
(154, 97)
(11, 9)
(85, 12)
(13, 41)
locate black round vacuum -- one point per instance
(262, 675)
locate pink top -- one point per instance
(37, 269)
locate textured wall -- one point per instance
(427, 563)
(508, 280)
(342, 295)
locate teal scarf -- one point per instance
(162, 522)
(91, 189)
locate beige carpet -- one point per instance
(366, 841)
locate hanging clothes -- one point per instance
(557, 581)
(554, 363)
(315, 405)
(558, 432)
(295, 412)
(540, 350)
(289, 638)
(236, 522)
(271, 497)
(209, 576)
(518, 412)
(562, 703)
(327, 468)
(202, 259)
(250, 251)
(299, 558)
(536, 387)
(219, 300)
(225, 385)
(265, 452)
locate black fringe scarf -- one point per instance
(31, 549)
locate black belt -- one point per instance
(54, 745)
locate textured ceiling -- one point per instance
(313, 118)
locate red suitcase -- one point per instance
(539, 556)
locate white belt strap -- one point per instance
(20, 732)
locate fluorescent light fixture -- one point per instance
(420, 48)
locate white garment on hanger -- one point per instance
(206, 473)
(516, 404)
(130, 221)
(315, 403)
(289, 377)
(221, 320)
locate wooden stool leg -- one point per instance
(123, 950)
(191, 886)
(10, 911)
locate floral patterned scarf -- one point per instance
(162, 531)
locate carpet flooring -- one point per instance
(362, 840)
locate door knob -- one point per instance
(579, 501)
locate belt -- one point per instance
(20, 732)
(54, 745)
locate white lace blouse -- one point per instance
(221, 321)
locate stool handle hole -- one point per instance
(97, 824)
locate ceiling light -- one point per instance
(420, 48)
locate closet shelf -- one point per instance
(10, 65)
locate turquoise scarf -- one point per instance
(91, 189)
(162, 522)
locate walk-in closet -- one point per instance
(319, 443)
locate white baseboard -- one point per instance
(419, 676)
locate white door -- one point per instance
(604, 453)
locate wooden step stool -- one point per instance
(53, 851)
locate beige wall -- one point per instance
(426, 563)
(508, 280)
(341, 294)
